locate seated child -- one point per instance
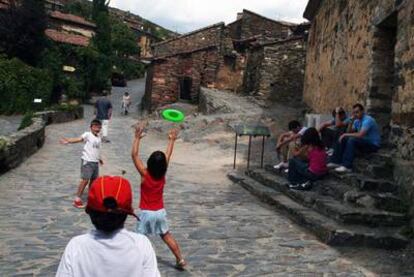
(288, 141)
(110, 250)
(309, 163)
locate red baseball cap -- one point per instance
(110, 193)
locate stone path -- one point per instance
(222, 229)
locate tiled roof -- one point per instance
(67, 38)
(71, 18)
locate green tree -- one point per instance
(124, 41)
(80, 8)
(22, 30)
(102, 42)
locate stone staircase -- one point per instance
(355, 209)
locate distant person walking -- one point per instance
(126, 102)
(103, 112)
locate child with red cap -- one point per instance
(110, 250)
(153, 217)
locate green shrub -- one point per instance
(3, 143)
(63, 107)
(27, 120)
(20, 84)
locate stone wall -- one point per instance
(24, 143)
(275, 71)
(362, 51)
(251, 24)
(201, 66)
(199, 39)
(338, 59)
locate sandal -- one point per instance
(180, 264)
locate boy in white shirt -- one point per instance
(110, 250)
(91, 158)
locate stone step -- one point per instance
(383, 201)
(374, 168)
(329, 206)
(326, 229)
(365, 183)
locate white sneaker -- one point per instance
(342, 169)
(281, 165)
(330, 152)
(286, 171)
(333, 165)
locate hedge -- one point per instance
(20, 84)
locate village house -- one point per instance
(362, 51)
(70, 29)
(214, 57)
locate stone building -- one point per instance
(252, 25)
(181, 65)
(363, 51)
(70, 29)
(214, 57)
(275, 70)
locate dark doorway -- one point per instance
(185, 88)
(383, 80)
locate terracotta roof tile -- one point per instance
(57, 36)
(71, 18)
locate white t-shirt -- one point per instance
(121, 254)
(92, 149)
(302, 131)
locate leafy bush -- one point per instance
(27, 120)
(63, 107)
(3, 143)
(20, 84)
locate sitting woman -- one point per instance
(309, 162)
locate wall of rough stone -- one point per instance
(252, 24)
(339, 53)
(164, 88)
(24, 143)
(349, 61)
(275, 71)
(202, 38)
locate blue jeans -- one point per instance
(299, 172)
(344, 152)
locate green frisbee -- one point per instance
(173, 115)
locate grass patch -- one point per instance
(27, 120)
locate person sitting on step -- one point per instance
(363, 136)
(287, 142)
(309, 161)
(331, 130)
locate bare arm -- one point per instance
(325, 125)
(71, 140)
(172, 136)
(135, 152)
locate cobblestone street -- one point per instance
(221, 228)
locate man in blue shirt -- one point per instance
(364, 136)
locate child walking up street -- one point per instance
(153, 217)
(91, 158)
